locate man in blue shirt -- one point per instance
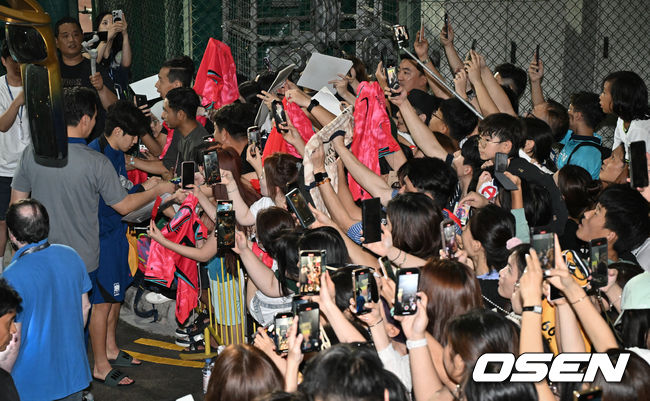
(581, 145)
(50, 354)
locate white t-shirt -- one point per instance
(14, 141)
(261, 204)
(639, 130)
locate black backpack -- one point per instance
(604, 152)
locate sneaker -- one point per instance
(87, 396)
(181, 333)
(186, 341)
(156, 298)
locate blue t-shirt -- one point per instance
(52, 361)
(587, 157)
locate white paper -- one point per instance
(146, 86)
(186, 398)
(321, 69)
(263, 112)
(328, 101)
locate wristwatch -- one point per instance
(312, 104)
(319, 177)
(534, 309)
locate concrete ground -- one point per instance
(161, 376)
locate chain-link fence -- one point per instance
(157, 31)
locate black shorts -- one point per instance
(5, 196)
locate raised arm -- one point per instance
(447, 40)
(483, 97)
(203, 254)
(495, 90)
(421, 134)
(536, 74)
(262, 276)
(421, 46)
(242, 211)
(367, 178)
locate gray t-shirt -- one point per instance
(181, 148)
(71, 196)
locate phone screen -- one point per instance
(225, 230)
(388, 267)
(311, 265)
(638, 165)
(187, 174)
(309, 326)
(211, 168)
(448, 233)
(537, 55)
(544, 244)
(362, 290)
(371, 220)
(406, 294)
(473, 44)
(446, 27)
(500, 162)
(401, 34)
(282, 324)
(598, 262)
(391, 78)
(278, 114)
(224, 205)
(298, 205)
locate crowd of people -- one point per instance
(499, 183)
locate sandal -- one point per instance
(123, 360)
(194, 348)
(113, 379)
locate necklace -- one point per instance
(510, 315)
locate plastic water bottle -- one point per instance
(207, 371)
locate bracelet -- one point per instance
(403, 261)
(416, 343)
(425, 60)
(312, 104)
(581, 299)
(326, 180)
(396, 257)
(379, 321)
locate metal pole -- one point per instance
(441, 82)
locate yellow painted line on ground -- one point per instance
(159, 344)
(165, 361)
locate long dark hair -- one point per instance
(578, 189)
(452, 289)
(117, 40)
(415, 221)
(493, 226)
(328, 239)
(281, 170)
(629, 95)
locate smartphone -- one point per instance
(371, 220)
(309, 326)
(298, 206)
(211, 168)
(408, 280)
(140, 100)
(282, 323)
(118, 15)
(388, 267)
(225, 230)
(278, 114)
(224, 205)
(598, 262)
(638, 165)
(187, 174)
(537, 55)
(401, 35)
(500, 165)
(312, 264)
(391, 78)
(446, 26)
(253, 134)
(473, 44)
(592, 394)
(448, 235)
(544, 244)
(365, 289)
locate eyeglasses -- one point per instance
(482, 140)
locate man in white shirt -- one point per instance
(14, 134)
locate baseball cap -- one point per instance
(636, 294)
(423, 102)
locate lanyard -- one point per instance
(11, 95)
(35, 249)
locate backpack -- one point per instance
(604, 152)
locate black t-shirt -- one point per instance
(79, 75)
(8, 390)
(246, 167)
